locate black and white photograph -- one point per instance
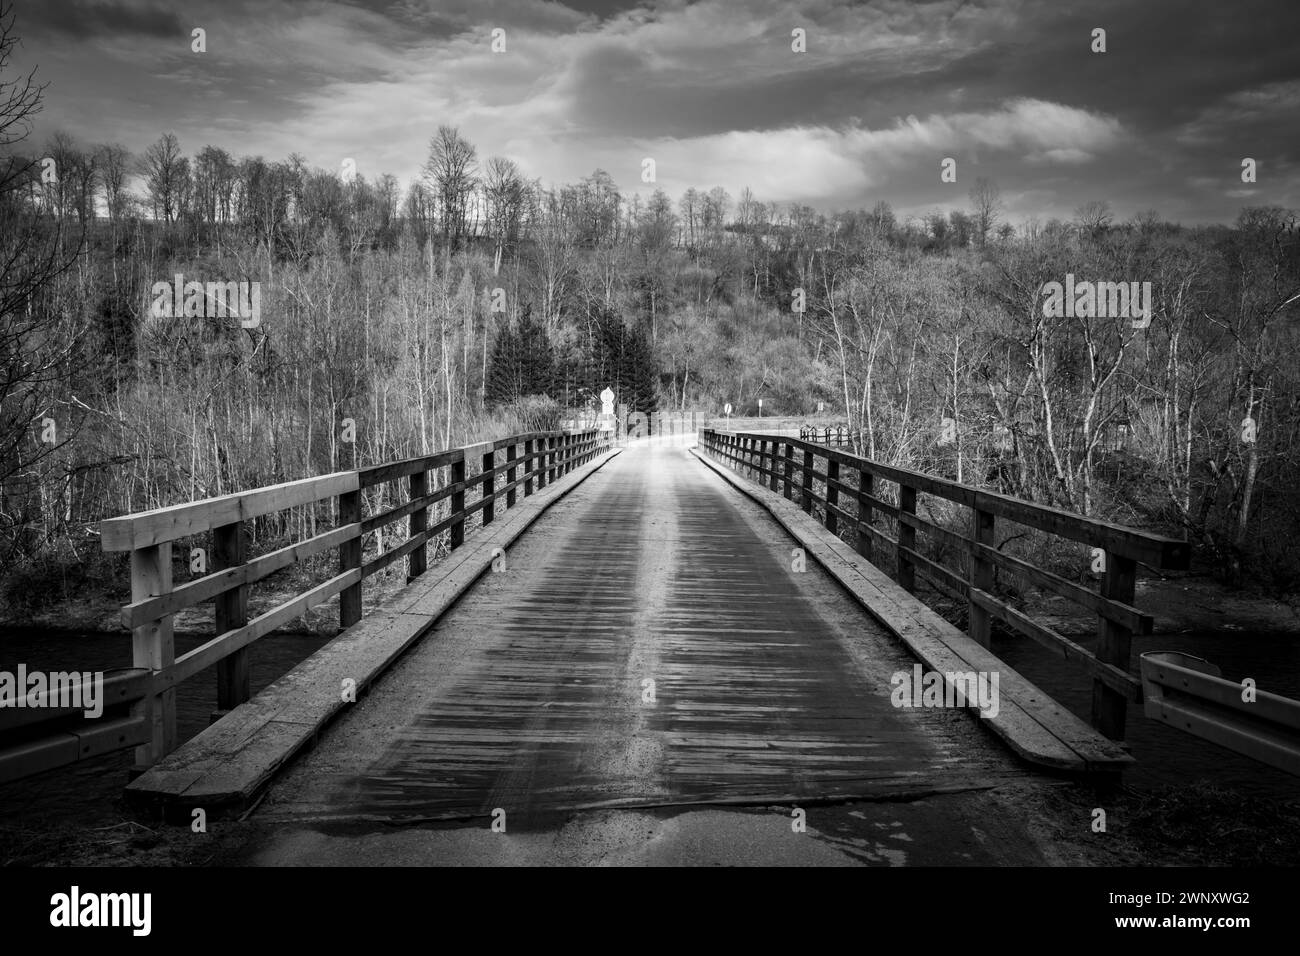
(524, 434)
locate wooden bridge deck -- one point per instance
(531, 695)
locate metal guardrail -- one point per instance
(1190, 693)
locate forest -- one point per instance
(475, 303)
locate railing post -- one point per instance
(153, 647)
(773, 450)
(832, 495)
(350, 558)
(906, 538)
(529, 464)
(234, 679)
(458, 502)
(866, 486)
(789, 471)
(979, 621)
(417, 562)
(1109, 707)
(807, 481)
(489, 486)
(512, 455)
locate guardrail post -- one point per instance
(789, 471)
(978, 621)
(512, 455)
(458, 502)
(234, 677)
(350, 558)
(772, 452)
(153, 647)
(906, 538)
(529, 464)
(1109, 707)
(489, 486)
(832, 495)
(417, 562)
(807, 481)
(866, 486)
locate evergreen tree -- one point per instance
(522, 362)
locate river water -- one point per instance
(90, 791)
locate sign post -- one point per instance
(760, 408)
(727, 409)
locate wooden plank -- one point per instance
(865, 516)
(979, 624)
(207, 654)
(1120, 681)
(153, 648)
(226, 765)
(1114, 646)
(906, 538)
(202, 589)
(411, 546)
(1033, 725)
(805, 498)
(1120, 613)
(234, 676)
(391, 471)
(418, 526)
(349, 512)
(1157, 551)
(179, 521)
(512, 455)
(487, 499)
(1123, 614)
(398, 512)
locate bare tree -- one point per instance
(114, 164)
(165, 170)
(37, 416)
(451, 169)
(986, 207)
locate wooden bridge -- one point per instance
(684, 625)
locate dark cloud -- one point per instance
(97, 18)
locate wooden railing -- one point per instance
(497, 470)
(774, 460)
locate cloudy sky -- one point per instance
(713, 92)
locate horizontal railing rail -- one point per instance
(495, 473)
(788, 466)
(1190, 693)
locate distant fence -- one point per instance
(789, 465)
(829, 435)
(141, 701)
